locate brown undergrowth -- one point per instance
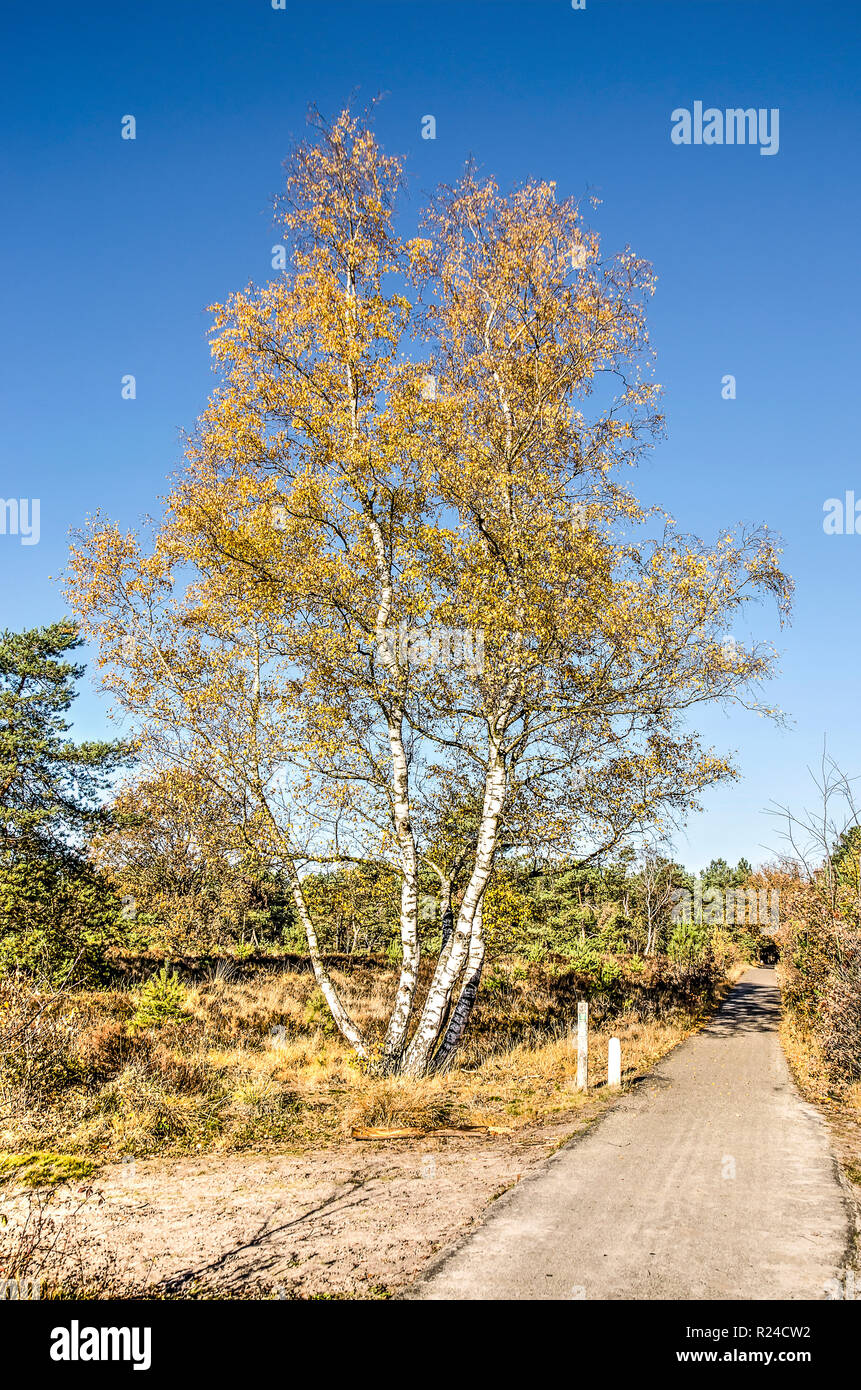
(244, 1056)
(180, 1099)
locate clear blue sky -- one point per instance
(111, 250)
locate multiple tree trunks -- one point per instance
(331, 499)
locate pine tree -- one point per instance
(50, 786)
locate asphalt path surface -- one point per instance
(711, 1178)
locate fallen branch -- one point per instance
(469, 1131)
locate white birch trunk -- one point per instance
(468, 994)
(345, 1024)
(399, 1021)
(449, 967)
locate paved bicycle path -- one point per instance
(711, 1179)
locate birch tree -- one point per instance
(658, 879)
(402, 558)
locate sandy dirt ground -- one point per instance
(359, 1220)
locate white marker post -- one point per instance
(582, 1046)
(614, 1063)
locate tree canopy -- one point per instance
(51, 788)
(403, 563)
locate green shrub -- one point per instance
(317, 1014)
(584, 918)
(162, 1000)
(616, 933)
(495, 985)
(688, 942)
(610, 974)
(584, 956)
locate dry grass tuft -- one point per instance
(401, 1102)
(256, 1063)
